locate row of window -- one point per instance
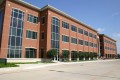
(75, 41)
(108, 48)
(74, 28)
(109, 42)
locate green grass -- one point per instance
(25, 62)
(8, 65)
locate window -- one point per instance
(30, 53)
(86, 43)
(1, 20)
(90, 34)
(91, 44)
(95, 45)
(74, 28)
(42, 35)
(15, 34)
(32, 19)
(43, 20)
(95, 36)
(55, 33)
(74, 40)
(86, 33)
(80, 31)
(31, 34)
(65, 25)
(65, 38)
(80, 42)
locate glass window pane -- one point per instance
(19, 23)
(19, 32)
(15, 14)
(14, 22)
(20, 16)
(17, 54)
(12, 41)
(11, 53)
(13, 31)
(17, 41)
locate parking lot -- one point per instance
(105, 70)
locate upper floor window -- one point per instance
(65, 38)
(80, 30)
(86, 43)
(65, 25)
(91, 44)
(32, 19)
(90, 34)
(74, 28)
(74, 40)
(95, 36)
(42, 35)
(86, 33)
(43, 20)
(31, 34)
(95, 45)
(80, 42)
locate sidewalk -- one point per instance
(23, 67)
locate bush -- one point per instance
(51, 53)
(74, 55)
(81, 55)
(91, 55)
(86, 55)
(65, 55)
(95, 54)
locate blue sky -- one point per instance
(102, 15)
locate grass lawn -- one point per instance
(14, 64)
(8, 65)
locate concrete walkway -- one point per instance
(23, 67)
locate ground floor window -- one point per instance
(30, 53)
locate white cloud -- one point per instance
(116, 35)
(115, 14)
(100, 29)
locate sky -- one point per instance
(102, 15)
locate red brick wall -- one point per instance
(27, 26)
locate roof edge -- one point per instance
(65, 14)
(107, 37)
(28, 4)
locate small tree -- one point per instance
(81, 55)
(91, 55)
(51, 53)
(86, 54)
(65, 55)
(74, 55)
(95, 55)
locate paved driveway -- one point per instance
(109, 70)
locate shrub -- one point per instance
(95, 54)
(86, 55)
(51, 53)
(65, 55)
(81, 55)
(74, 55)
(91, 55)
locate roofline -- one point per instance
(28, 4)
(66, 15)
(107, 37)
